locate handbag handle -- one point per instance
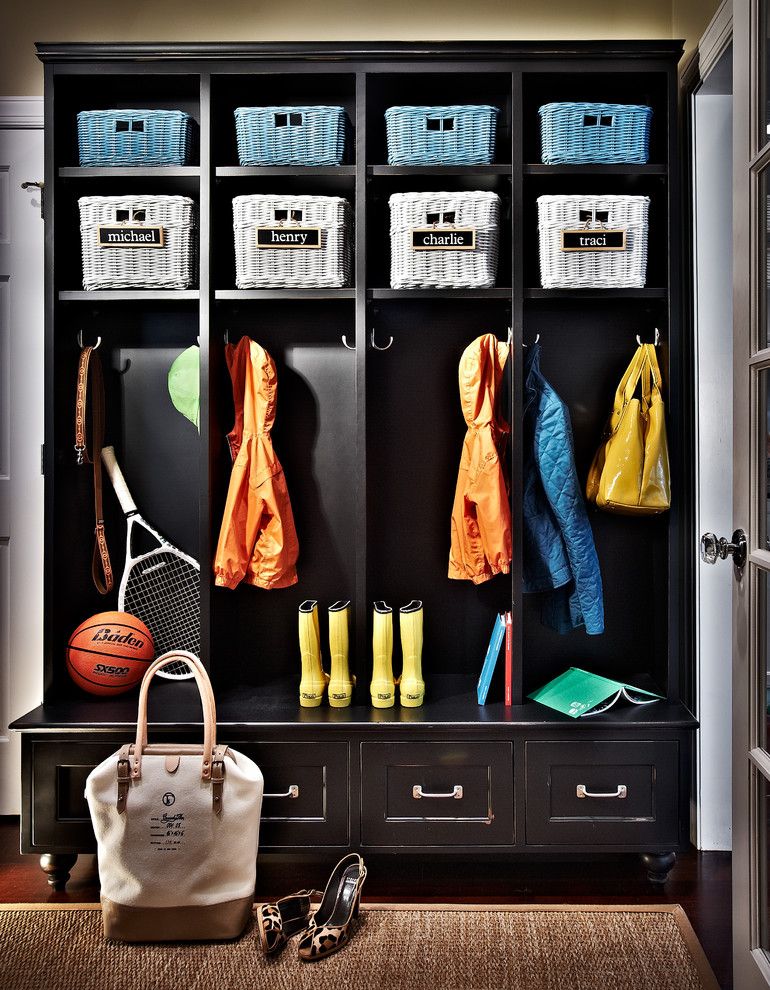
(207, 701)
(627, 386)
(651, 378)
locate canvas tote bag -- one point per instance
(177, 828)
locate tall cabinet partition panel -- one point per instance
(369, 430)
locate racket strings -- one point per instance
(163, 590)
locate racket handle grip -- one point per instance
(117, 479)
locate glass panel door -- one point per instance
(751, 474)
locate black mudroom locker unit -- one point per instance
(369, 432)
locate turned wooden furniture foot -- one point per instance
(56, 867)
(659, 865)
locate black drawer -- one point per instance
(59, 812)
(450, 794)
(602, 793)
(306, 792)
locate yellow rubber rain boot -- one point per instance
(340, 681)
(411, 684)
(383, 689)
(313, 683)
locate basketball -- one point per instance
(109, 653)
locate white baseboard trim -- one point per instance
(21, 112)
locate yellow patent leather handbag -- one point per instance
(630, 472)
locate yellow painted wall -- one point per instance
(21, 24)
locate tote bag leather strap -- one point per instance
(651, 379)
(627, 386)
(207, 701)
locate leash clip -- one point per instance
(80, 451)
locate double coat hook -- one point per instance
(377, 346)
(657, 338)
(80, 340)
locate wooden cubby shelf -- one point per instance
(370, 439)
(652, 292)
(399, 171)
(131, 172)
(259, 171)
(129, 295)
(495, 293)
(244, 295)
(578, 170)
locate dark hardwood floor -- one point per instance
(700, 882)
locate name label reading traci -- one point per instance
(431, 239)
(130, 236)
(288, 237)
(593, 240)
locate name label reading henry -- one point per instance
(288, 237)
(433, 239)
(593, 240)
(130, 236)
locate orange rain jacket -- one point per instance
(257, 541)
(481, 516)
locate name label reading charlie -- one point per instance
(431, 239)
(120, 236)
(593, 240)
(288, 237)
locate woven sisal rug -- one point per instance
(415, 947)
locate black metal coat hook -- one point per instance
(377, 346)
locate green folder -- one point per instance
(578, 694)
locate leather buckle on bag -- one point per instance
(217, 780)
(124, 782)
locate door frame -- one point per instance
(21, 430)
(711, 820)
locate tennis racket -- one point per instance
(162, 586)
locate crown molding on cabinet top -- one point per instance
(717, 36)
(21, 112)
(374, 50)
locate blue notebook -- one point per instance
(490, 660)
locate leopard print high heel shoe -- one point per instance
(278, 922)
(331, 926)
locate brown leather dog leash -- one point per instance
(101, 568)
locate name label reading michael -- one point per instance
(288, 237)
(432, 239)
(593, 240)
(131, 236)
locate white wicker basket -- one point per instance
(131, 266)
(444, 212)
(595, 268)
(291, 265)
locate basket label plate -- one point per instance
(438, 239)
(288, 237)
(119, 235)
(593, 240)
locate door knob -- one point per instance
(713, 548)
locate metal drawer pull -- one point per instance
(621, 792)
(456, 793)
(293, 792)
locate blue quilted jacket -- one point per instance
(559, 552)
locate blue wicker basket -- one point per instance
(134, 137)
(583, 133)
(451, 135)
(291, 135)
